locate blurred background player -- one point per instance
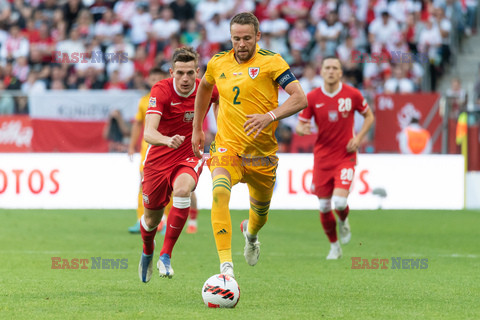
(245, 147)
(414, 139)
(171, 168)
(154, 76)
(335, 154)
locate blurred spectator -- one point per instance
(293, 10)
(71, 11)
(347, 10)
(207, 8)
(277, 28)
(15, 45)
(9, 80)
(241, 6)
(84, 24)
(117, 132)
(34, 84)
(457, 98)
(320, 9)
(444, 26)
(7, 103)
(21, 69)
(310, 80)
(351, 68)
(399, 10)
(399, 83)
(107, 28)
(98, 8)
(141, 23)
(90, 80)
(71, 45)
(114, 82)
(59, 26)
(411, 32)
(142, 63)
(298, 63)
(57, 85)
(299, 37)
(414, 139)
(120, 47)
(31, 33)
(165, 27)
(206, 49)
(429, 44)
(45, 45)
(218, 31)
(381, 31)
(329, 31)
(5, 10)
(191, 36)
(124, 9)
(183, 11)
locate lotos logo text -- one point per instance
(96, 263)
(397, 263)
(92, 57)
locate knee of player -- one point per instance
(325, 205)
(220, 192)
(182, 191)
(340, 203)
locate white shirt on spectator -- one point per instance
(207, 8)
(218, 32)
(383, 33)
(14, 47)
(141, 24)
(108, 30)
(399, 10)
(274, 26)
(125, 70)
(125, 10)
(70, 46)
(329, 31)
(164, 29)
(403, 85)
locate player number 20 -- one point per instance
(344, 105)
(346, 174)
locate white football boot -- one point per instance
(344, 231)
(335, 251)
(252, 249)
(227, 268)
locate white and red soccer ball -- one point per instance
(221, 291)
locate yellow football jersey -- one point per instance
(246, 88)
(140, 116)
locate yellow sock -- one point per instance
(140, 208)
(257, 217)
(221, 221)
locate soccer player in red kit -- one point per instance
(335, 154)
(170, 167)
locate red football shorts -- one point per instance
(325, 180)
(157, 185)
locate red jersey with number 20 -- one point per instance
(334, 115)
(176, 111)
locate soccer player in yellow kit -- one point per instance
(245, 147)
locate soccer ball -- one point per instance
(221, 291)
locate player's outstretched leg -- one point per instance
(145, 268)
(330, 227)
(252, 246)
(176, 221)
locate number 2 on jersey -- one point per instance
(344, 105)
(237, 92)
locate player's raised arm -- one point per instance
(154, 137)
(202, 101)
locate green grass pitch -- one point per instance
(291, 281)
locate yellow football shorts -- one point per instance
(259, 173)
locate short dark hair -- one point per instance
(331, 57)
(245, 18)
(156, 70)
(185, 54)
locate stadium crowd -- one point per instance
(384, 46)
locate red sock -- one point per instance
(342, 214)
(175, 222)
(193, 214)
(329, 225)
(148, 237)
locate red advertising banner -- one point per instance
(68, 136)
(393, 112)
(16, 134)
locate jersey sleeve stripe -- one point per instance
(303, 119)
(154, 111)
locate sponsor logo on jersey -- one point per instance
(145, 198)
(152, 103)
(188, 117)
(237, 74)
(222, 76)
(332, 116)
(175, 103)
(253, 72)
